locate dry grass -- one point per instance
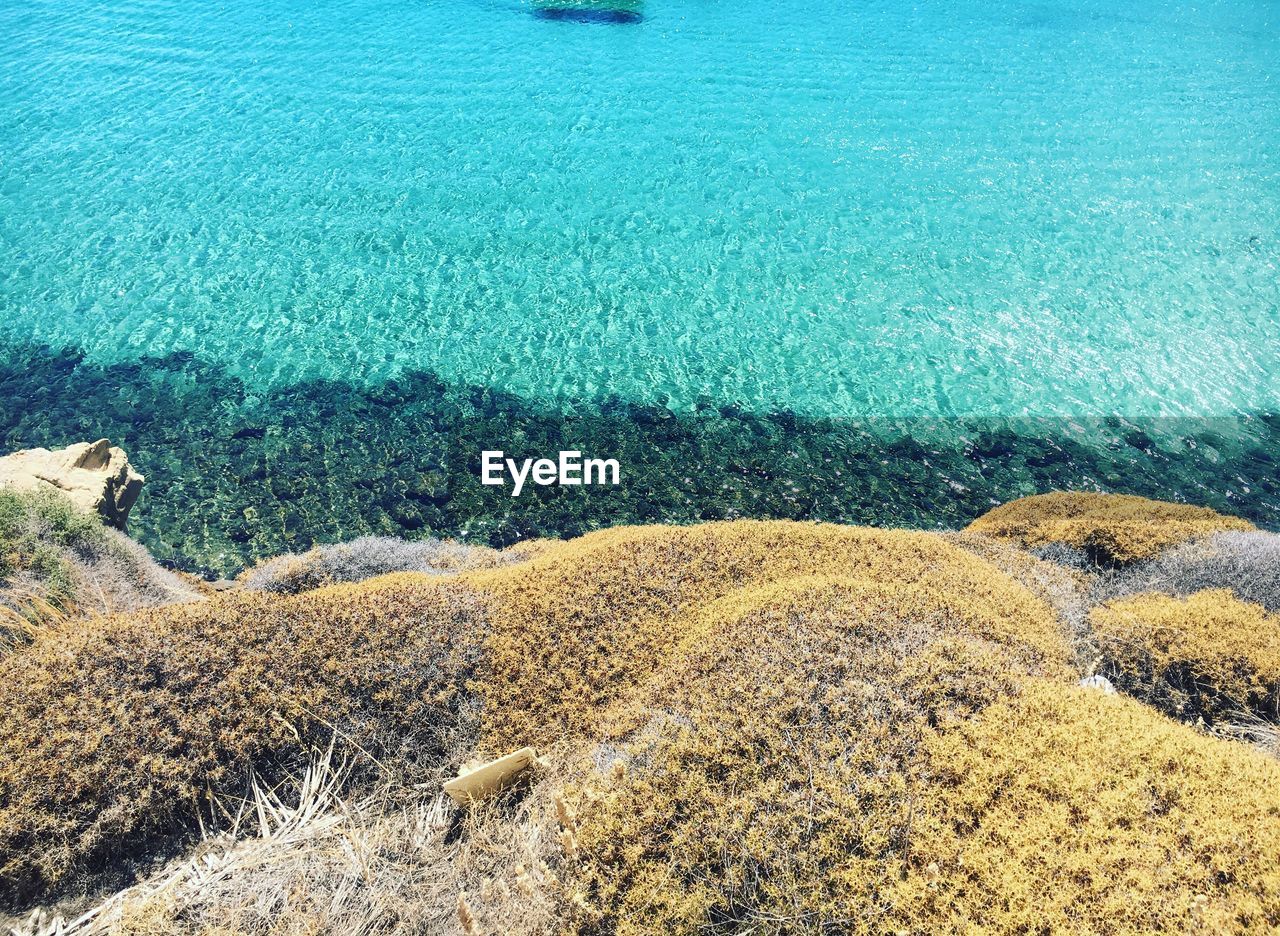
(1208, 655)
(113, 731)
(366, 558)
(25, 610)
(59, 562)
(300, 858)
(754, 728)
(1246, 563)
(1112, 528)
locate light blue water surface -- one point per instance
(885, 208)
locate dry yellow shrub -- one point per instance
(1063, 810)
(770, 770)
(589, 620)
(758, 726)
(1065, 589)
(113, 731)
(1113, 527)
(838, 755)
(1209, 654)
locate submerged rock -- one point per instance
(94, 475)
(590, 11)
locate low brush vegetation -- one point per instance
(1248, 564)
(746, 727)
(776, 766)
(587, 621)
(364, 558)
(114, 737)
(58, 561)
(1029, 807)
(37, 531)
(1061, 809)
(1111, 528)
(1208, 655)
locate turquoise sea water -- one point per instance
(881, 208)
(305, 260)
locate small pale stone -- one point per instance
(1099, 682)
(475, 783)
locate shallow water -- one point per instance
(304, 260)
(876, 209)
(235, 473)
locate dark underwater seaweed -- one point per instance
(234, 475)
(573, 15)
(590, 11)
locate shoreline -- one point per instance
(235, 476)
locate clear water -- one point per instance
(953, 207)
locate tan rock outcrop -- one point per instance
(93, 474)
